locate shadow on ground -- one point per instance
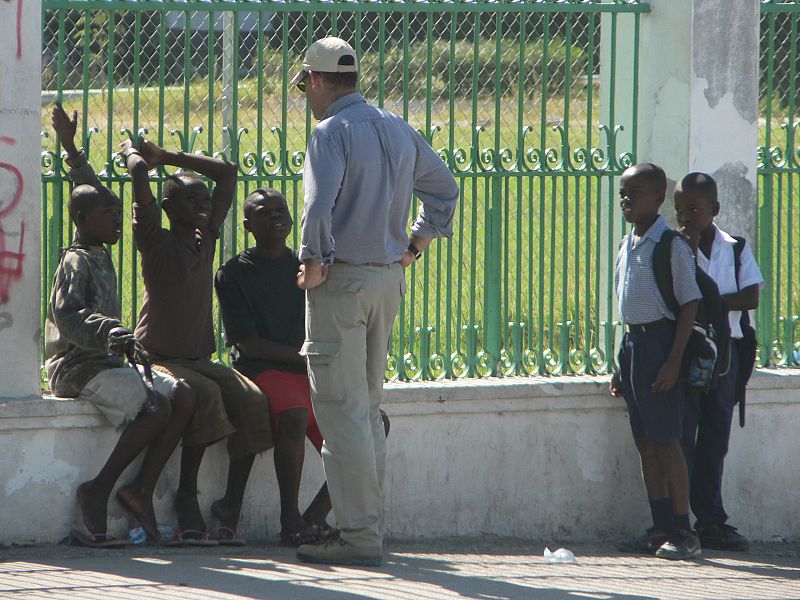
(496, 570)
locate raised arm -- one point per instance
(138, 168)
(221, 172)
(65, 127)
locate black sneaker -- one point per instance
(722, 537)
(682, 544)
(648, 543)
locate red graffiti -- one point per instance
(19, 28)
(10, 263)
(7, 205)
(10, 260)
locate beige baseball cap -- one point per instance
(328, 55)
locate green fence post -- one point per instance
(492, 274)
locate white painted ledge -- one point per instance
(446, 397)
(544, 458)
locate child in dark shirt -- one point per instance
(84, 342)
(263, 312)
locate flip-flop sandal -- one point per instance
(309, 535)
(225, 536)
(190, 537)
(97, 540)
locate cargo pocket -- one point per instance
(344, 285)
(324, 368)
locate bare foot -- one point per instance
(188, 510)
(93, 509)
(227, 513)
(140, 506)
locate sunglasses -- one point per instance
(301, 85)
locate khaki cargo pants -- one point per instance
(348, 321)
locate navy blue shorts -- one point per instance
(657, 416)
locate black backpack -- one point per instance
(747, 345)
(707, 354)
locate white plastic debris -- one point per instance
(562, 555)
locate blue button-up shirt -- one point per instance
(637, 291)
(362, 166)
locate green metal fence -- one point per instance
(779, 182)
(509, 93)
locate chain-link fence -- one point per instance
(779, 182)
(509, 93)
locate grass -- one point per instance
(548, 221)
(552, 225)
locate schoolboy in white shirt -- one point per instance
(707, 418)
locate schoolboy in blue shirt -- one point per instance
(707, 420)
(650, 360)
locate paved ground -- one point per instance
(490, 570)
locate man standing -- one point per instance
(362, 166)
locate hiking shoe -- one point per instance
(721, 537)
(648, 543)
(338, 552)
(682, 544)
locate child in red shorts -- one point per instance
(263, 312)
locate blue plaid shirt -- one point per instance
(637, 291)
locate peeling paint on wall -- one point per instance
(737, 200)
(727, 61)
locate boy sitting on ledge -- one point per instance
(263, 312)
(84, 345)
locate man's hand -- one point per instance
(65, 128)
(615, 387)
(311, 275)
(667, 376)
(121, 341)
(407, 259)
(152, 153)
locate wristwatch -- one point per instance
(416, 252)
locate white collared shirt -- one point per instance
(721, 268)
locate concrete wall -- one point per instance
(20, 196)
(546, 459)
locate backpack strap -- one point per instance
(738, 247)
(662, 269)
(747, 349)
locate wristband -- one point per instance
(413, 249)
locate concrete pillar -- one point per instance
(698, 99)
(20, 197)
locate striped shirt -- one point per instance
(637, 291)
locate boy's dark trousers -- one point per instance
(706, 432)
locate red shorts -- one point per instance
(286, 390)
